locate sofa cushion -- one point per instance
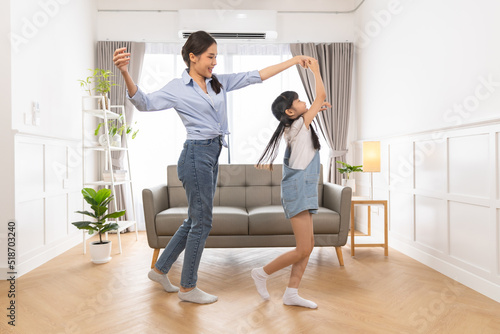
(226, 221)
(232, 196)
(258, 196)
(229, 221)
(271, 220)
(268, 220)
(326, 221)
(231, 176)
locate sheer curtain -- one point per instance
(251, 123)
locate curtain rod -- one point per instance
(279, 11)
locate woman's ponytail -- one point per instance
(216, 85)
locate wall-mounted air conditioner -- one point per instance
(229, 24)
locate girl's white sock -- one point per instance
(291, 297)
(259, 277)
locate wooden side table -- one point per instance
(369, 203)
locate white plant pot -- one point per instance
(351, 183)
(100, 253)
(115, 141)
(103, 140)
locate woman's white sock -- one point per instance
(259, 277)
(163, 280)
(291, 297)
(197, 296)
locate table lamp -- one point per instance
(371, 160)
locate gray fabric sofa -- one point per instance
(247, 211)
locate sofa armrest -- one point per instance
(155, 200)
(338, 199)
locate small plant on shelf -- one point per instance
(348, 169)
(101, 80)
(115, 131)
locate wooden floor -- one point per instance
(370, 294)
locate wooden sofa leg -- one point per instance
(155, 257)
(339, 255)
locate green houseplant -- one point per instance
(101, 79)
(99, 200)
(347, 169)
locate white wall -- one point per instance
(53, 46)
(6, 139)
(428, 86)
(132, 20)
(429, 59)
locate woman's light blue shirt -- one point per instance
(204, 115)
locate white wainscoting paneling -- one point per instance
(56, 167)
(56, 218)
(29, 170)
(430, 166)
(497, 219)
(30, 227)
(468, 157)
(444, 201)
(401, 165)
(48, 184)
(470, 240)
(431, 228)
(401, 214)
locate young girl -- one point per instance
(299, 186)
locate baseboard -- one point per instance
(479, 284)
(3, 273)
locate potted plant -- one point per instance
(347, 169)
(100, 251)
(102, 84)
(114, 132)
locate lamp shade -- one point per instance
(371, 156)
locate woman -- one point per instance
(299, 186)
(199, 97)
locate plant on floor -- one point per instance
(99, 201)
(348, 169)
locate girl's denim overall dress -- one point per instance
(299, 187)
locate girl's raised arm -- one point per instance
(319, 103)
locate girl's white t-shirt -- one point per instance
(298, 137)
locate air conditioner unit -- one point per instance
(229, 24)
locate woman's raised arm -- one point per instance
(270, 71)
(121, 60)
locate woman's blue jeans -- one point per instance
(197, 169)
